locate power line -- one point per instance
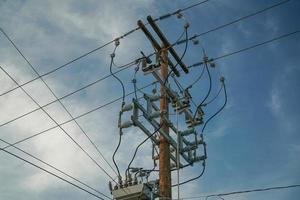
(55, 168)
(238, 19)
(248, 48)
(51, 173)
(67, 95)
(134, 62)
(256, 45)
(102, 46)
(244, 191)
(191, 66)
(52, 92)
(102, 169)
(77, 117)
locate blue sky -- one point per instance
(253, 143)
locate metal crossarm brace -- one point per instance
(156, 45)
(167, 44)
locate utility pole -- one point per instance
(164, 148)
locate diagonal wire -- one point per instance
(133, 63)
(51, 173)
(77, 117)
(244, 191)
(177, 43)
(102, 169)
(52, 92)
(55, 168)
(239, 19)
(102, 46)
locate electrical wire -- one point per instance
(198, 78)
(122, 104)
(191, 66)
(214, 98)
(195, 178)
(68, 95)
(55, 96)
(74, 141)
(208, 92)
(102, 46)
(239, 19)
(77, 117)
(51, 173)
(137, 148)
(203, 169)
(244, 191)
(117, 99)
(220, 109)
(55, 168)
(183, 54)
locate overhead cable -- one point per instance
(74, 141)
(60, 102)
(51, 173)
(55, 168)
(100, 47)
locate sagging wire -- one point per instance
(214, 98)
(209, 89)
(117, 43)
(186, 26)
(197, 177)
(127, 174)
(222, 80)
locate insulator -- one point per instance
(127, 107)
(187, 132)
(199, 158)
(200, 112)
(135, 169)
(126, 124)
(152, 97)
(150, 68)
(155, 114)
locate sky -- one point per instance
(253, 143)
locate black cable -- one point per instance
(208, 92)
(191, 66)
(55, 168)
(77, 117)
(255, 190)
(256, 45)
(100, 47)
(197, 79)
(203, 169)
(244, 191)
(122, 104)
(214, 98)
(114, 154)
(51, 173)
(67, 95)
(77, 144)
(55, 96)
(137, 148)
(183, 54)
(220, 109)
(239, 19)
(195, 178)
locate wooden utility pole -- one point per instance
(164, 149)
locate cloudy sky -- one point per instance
(253, 143)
